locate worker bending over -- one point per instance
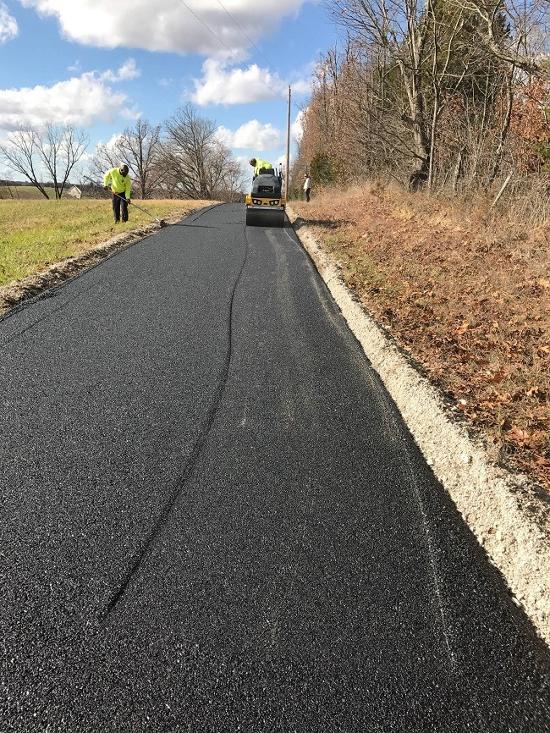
(120, 183)
(261, 166)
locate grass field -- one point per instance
(24, 192)
(34, 234)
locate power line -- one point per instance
(240, 27)
(235, 22)
(218, 38)
(245, 34)
(205, 24)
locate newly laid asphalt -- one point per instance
(214, 519)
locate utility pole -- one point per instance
(287, 174)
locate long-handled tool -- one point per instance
(160, 222)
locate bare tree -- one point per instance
(21, 154)
(105, 158)
(188, 161)
(224, 175)
(140, 148)
(197, 165)
(413, 89)
(50, 153)
(421, 86)
(526, 20)
(399, 32)
(60, 149)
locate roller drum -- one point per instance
(265, 217)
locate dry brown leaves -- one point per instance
(467, 297)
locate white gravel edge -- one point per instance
(504, 511)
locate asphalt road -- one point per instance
(213, 518)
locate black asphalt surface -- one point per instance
(214, 519)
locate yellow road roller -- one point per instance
(265, 205)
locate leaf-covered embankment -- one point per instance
(466, 294)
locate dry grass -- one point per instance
(467, 292)
(25, 192)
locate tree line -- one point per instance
(440, 93)
(181, 158)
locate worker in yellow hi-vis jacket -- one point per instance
(261, 165)
(120, 183)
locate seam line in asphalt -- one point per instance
(394, 429)
(189, 466)
(45, 317)
(197, 216)
(53, 290)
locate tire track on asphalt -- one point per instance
(54, 290)
(191, 462)
(395, 435)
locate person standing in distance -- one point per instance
(120, 183)
(307, 186)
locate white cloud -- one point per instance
(101, 147)
(167, 25)
(8, 25)
(302, 87)
(224, 84)
(297, 129)
(78, 101)
(112, 142)
(220, 85)
(127, 71)
(225, 136)
(252, 135)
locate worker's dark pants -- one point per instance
(119, 202)
(308, 193)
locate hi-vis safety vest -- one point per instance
(118, 182)
(261, 164)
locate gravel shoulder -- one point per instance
(508, 513)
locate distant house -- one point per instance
(74, 192)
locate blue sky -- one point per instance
(98, 64)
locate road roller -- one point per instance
(265, 205)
